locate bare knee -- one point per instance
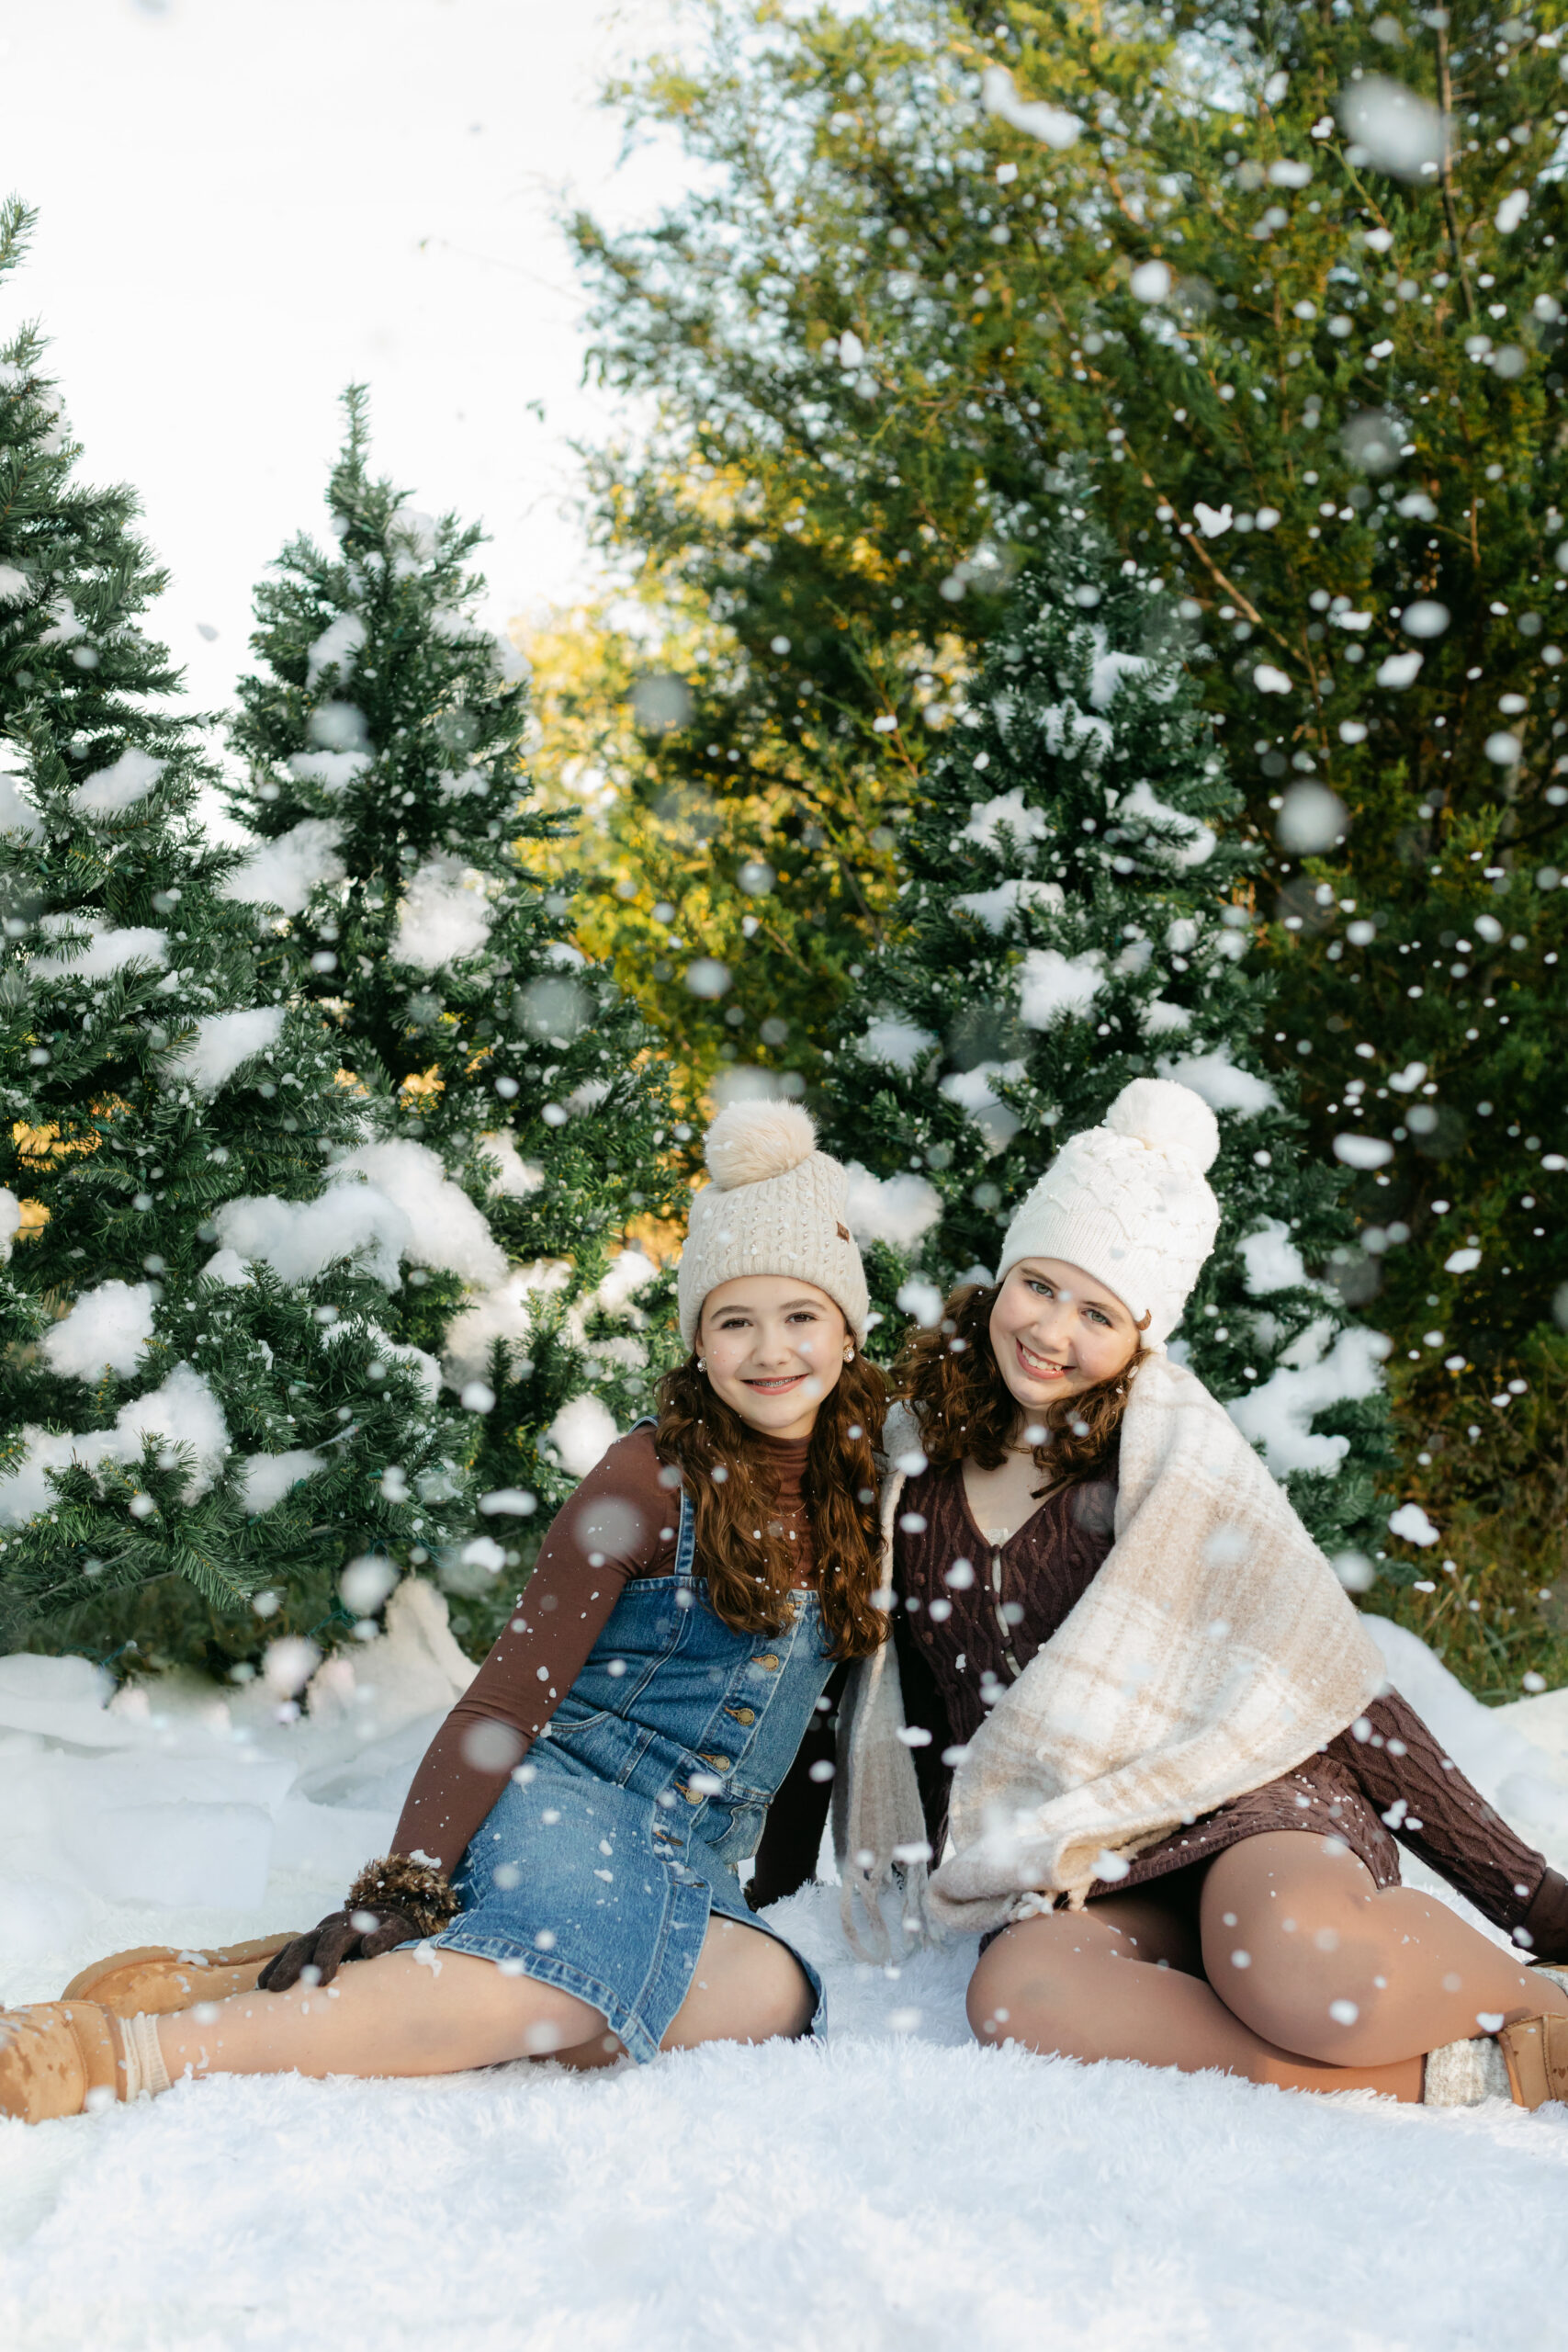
(1000, 2011)
(780, 2003)
(1023, 1986)
(785, 2010)
(747, 1988)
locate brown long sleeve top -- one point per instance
(620, 1523)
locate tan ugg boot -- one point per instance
(1535, 2051)
(59, 2058)
(154, 1980)
(1527, 2061)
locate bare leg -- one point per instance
(1340, 1969)
(395, 2015)
(1066, 1985)
(1342, 1985)
(399, 2015)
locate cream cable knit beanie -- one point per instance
(777, 1205)
(1128, 1202)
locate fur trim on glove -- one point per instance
(397, 1883)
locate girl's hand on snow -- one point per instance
(342, 1935)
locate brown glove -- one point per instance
(394, 1901)
(360, 1934)
(1547, 1919)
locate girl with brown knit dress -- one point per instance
(566, 1858)
(1150, 1729)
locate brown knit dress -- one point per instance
(970, 1615)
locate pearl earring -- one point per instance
(849, 1355)
(701, 1364)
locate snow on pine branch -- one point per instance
(1279, 1416)
(332, 771)
(898, 1045)
(106, 949)
(514, 1177)
(1271, 1259)
(1190, 841)
(1223, 1086)
(265, 1478)
(446, 915)
(408, 1210)
(1021, 819)
(300, 1239)
(995, 908)
(110, 791)
(338, 648)
(447, 1231)
(107, 1330)
(896, 1210)
(222, 1041)
(973, 1091)
(286, 873)
(18, 814)
(1052, 984)
(504, 1313)
(183, 1412)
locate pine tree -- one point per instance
(1077, 913)
(1292, 280)
(515, 1107)
(192, 1450)
(1312, 339)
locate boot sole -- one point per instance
(111, 1982)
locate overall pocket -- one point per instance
(733, 1833)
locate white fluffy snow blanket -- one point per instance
(1216, 1650)
(896, 2190)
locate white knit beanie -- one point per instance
(777, 1205)
(1128, 1202)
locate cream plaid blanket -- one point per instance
(1214, 1651)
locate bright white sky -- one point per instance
(245, 204)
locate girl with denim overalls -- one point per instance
(567, 1859)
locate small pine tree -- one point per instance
(382, 737)
(180, 1436)
(1077, 916)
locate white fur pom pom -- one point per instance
(752, 1141)
(1163, 1116)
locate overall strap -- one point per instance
(685, 1526)
(685, 1540)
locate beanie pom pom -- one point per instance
(749, 1142)
(1164, 1117)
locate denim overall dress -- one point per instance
(600, 1864)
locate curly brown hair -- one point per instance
(967, 1412)
(749, 1574)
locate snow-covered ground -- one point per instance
(893, 2185)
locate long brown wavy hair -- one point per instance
(967, 1411)
(747, 1563)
